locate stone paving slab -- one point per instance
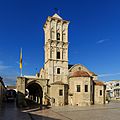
(93, 115)
(9, 112)
(92, 107)
(48, 114)
(96, 112)
(13, 115)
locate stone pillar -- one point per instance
(55, 29)
(43, 99)
(61, 31)
(20, 101)
(38, 99)
(21, 84)
(114, 93)
(61, 53)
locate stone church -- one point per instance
(59, 83)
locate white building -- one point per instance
(113, 88)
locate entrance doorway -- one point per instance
(35, 92)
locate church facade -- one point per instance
(64, 84)
(69, 84)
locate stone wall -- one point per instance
(54, 93)
(24, 82)
(81, 98)
(99, 95)
(2, 91)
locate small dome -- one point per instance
(79, 74)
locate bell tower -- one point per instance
(56, 49)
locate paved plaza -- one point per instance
(109, 111)
(9, 111)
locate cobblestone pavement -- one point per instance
(8, 111)
(109, 111)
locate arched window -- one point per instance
(63, 37)
(60, 92)
(58, 70)
(52, 35)
(52, 29)
(58, 36)
(51, 52)
(58, 55)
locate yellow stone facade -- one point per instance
(58, 80)
(64, 84)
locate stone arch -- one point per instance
(58, 35)
(35, 91)
(58, 26)
(36, 86)
(64, 26)
(51, 52)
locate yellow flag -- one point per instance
(21, 59)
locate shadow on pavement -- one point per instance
(40, 117)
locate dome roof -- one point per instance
(79, 74)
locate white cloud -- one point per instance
(3, 67)
(101, 41)
(9, 80)
(107, 75)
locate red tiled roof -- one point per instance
(96, 82)
(80, 74)
(93, 74)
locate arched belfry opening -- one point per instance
(35, 92)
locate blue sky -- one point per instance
(94, 35)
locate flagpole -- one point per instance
(21, 72)
(21, 62)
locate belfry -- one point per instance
(56, 49)
(59, 83)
